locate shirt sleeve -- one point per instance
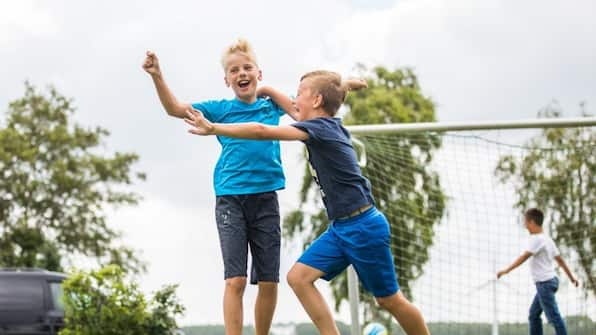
(556, 251)
(536, 243)
(311, 128)
(210, 109)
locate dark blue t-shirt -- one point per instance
(334, 166)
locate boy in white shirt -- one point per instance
(544, 252)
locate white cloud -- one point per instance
(20, 20)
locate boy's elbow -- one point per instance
(261, 132)
(177, 111)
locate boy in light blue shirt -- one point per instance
(246, 178)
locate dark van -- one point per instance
(31, 302)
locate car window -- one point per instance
(57, 295)
(20, 294)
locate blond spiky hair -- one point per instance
(241, 46)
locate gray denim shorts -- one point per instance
(249, 220)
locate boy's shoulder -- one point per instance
(237, 103)
(325, 129)
(542, 240)
(214, 109)
(212, 103)
(323, 122)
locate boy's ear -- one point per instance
(260, 76)
(318, 102)
(226, 81)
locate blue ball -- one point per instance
(374, 328)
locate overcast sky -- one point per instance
(478, 60)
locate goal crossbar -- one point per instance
(482, 125)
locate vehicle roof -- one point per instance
(30, 273)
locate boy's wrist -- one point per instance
(213, 130)
(156, 76)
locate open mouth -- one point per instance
(243, 83)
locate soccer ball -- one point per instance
(374, 328)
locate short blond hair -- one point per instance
(332, 88)
(241, 46)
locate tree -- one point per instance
(558, 175)
(55, 185)
(411, 198)
(104, 302)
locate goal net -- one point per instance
(454, 196)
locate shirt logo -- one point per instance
(314, 174)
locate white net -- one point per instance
(475, 226)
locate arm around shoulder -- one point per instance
(259, 131)
(283, 101)
(250, 130)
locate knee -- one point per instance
(554, 318)
(533, 316)
(391, 302)
(295, 280)
(236, 285)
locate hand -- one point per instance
(574, 282)
(501, 273)
(263, 91)
(201, 126)
(151, 64)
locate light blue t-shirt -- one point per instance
(245, 166)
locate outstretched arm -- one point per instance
(249, 130)
(562, 264)
(519, 261)
(282, 100)
(169, 102)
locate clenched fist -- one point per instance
(151, 64)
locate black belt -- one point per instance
(356, 212)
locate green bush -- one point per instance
(104, 303)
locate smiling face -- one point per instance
(307, 102)
(242, 75)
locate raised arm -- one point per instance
(249, 130)
(169, 102)
(562, 264)
(519, 261)
(282, 100)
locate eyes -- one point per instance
(236, 69)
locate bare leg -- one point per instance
(232, 305)
(265, 307)
(302, 278)
(408, 316)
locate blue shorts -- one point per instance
(364, 242)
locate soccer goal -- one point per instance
(454, 194)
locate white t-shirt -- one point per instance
(542, 263)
